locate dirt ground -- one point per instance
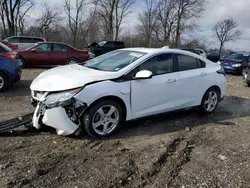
(180, 149)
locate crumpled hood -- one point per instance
(68, 77)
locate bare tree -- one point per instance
(112, 14)
(74, 14)
(49, 17)
(13, 13)
(166, 20)
(225, 31)
(187, 10)
(148, 20)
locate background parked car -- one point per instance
(235, 63)
(196, 51)
(51, 53)
(214, 57)
(24, 42)
(11, 46)
(105, 46)
(10, 70)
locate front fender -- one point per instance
(93, 92)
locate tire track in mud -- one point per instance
(163, 171)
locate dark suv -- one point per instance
(105, 46)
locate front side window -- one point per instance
(160, 64)
(188, 62)
(43, 48)
(13, 40)
(115, 60)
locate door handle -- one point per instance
(171, 80)
(203, 74)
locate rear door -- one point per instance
(59, 54)
(192, 80)
(41, 56)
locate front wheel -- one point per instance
(103, 118)
(21, 62)
(3, 82)
(245, 78)
(210, 101)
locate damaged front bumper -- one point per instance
(64, 118)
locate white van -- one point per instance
(24, 42)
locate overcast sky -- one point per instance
(216, 10)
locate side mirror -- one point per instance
(33, 50)
(144, 74)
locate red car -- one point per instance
(51, 54)
(11, 46)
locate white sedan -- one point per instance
(124, 85)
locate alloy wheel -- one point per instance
(211, 101)
(21, 63)
(1, 82)
(105, 120)
(72, 61)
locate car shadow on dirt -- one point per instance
(232, 107)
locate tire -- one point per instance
(210, 98)
(245, 75)
(22, 62)
(3, 82)
(99, 114)
(72, 61)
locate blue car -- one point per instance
(235, 63)
(10, 69)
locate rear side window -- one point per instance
(25, 40)
(59, 48)
(119, 45)
(188, 62)
(109, 45)
(35, 40)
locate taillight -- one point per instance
(11, 56)
(221, 71)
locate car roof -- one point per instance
(158, 50)
(27, 37)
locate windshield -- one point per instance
(102, 43)
(114, 61)
(237, 56)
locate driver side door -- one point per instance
(41, 55)
(159, 93)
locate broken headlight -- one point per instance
(61, 98)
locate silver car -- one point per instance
(24, 42)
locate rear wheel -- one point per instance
(3, 82)
(72, 61)
(210, 101)
(103, 119)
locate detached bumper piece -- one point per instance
(11, 124)
(65, 120)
